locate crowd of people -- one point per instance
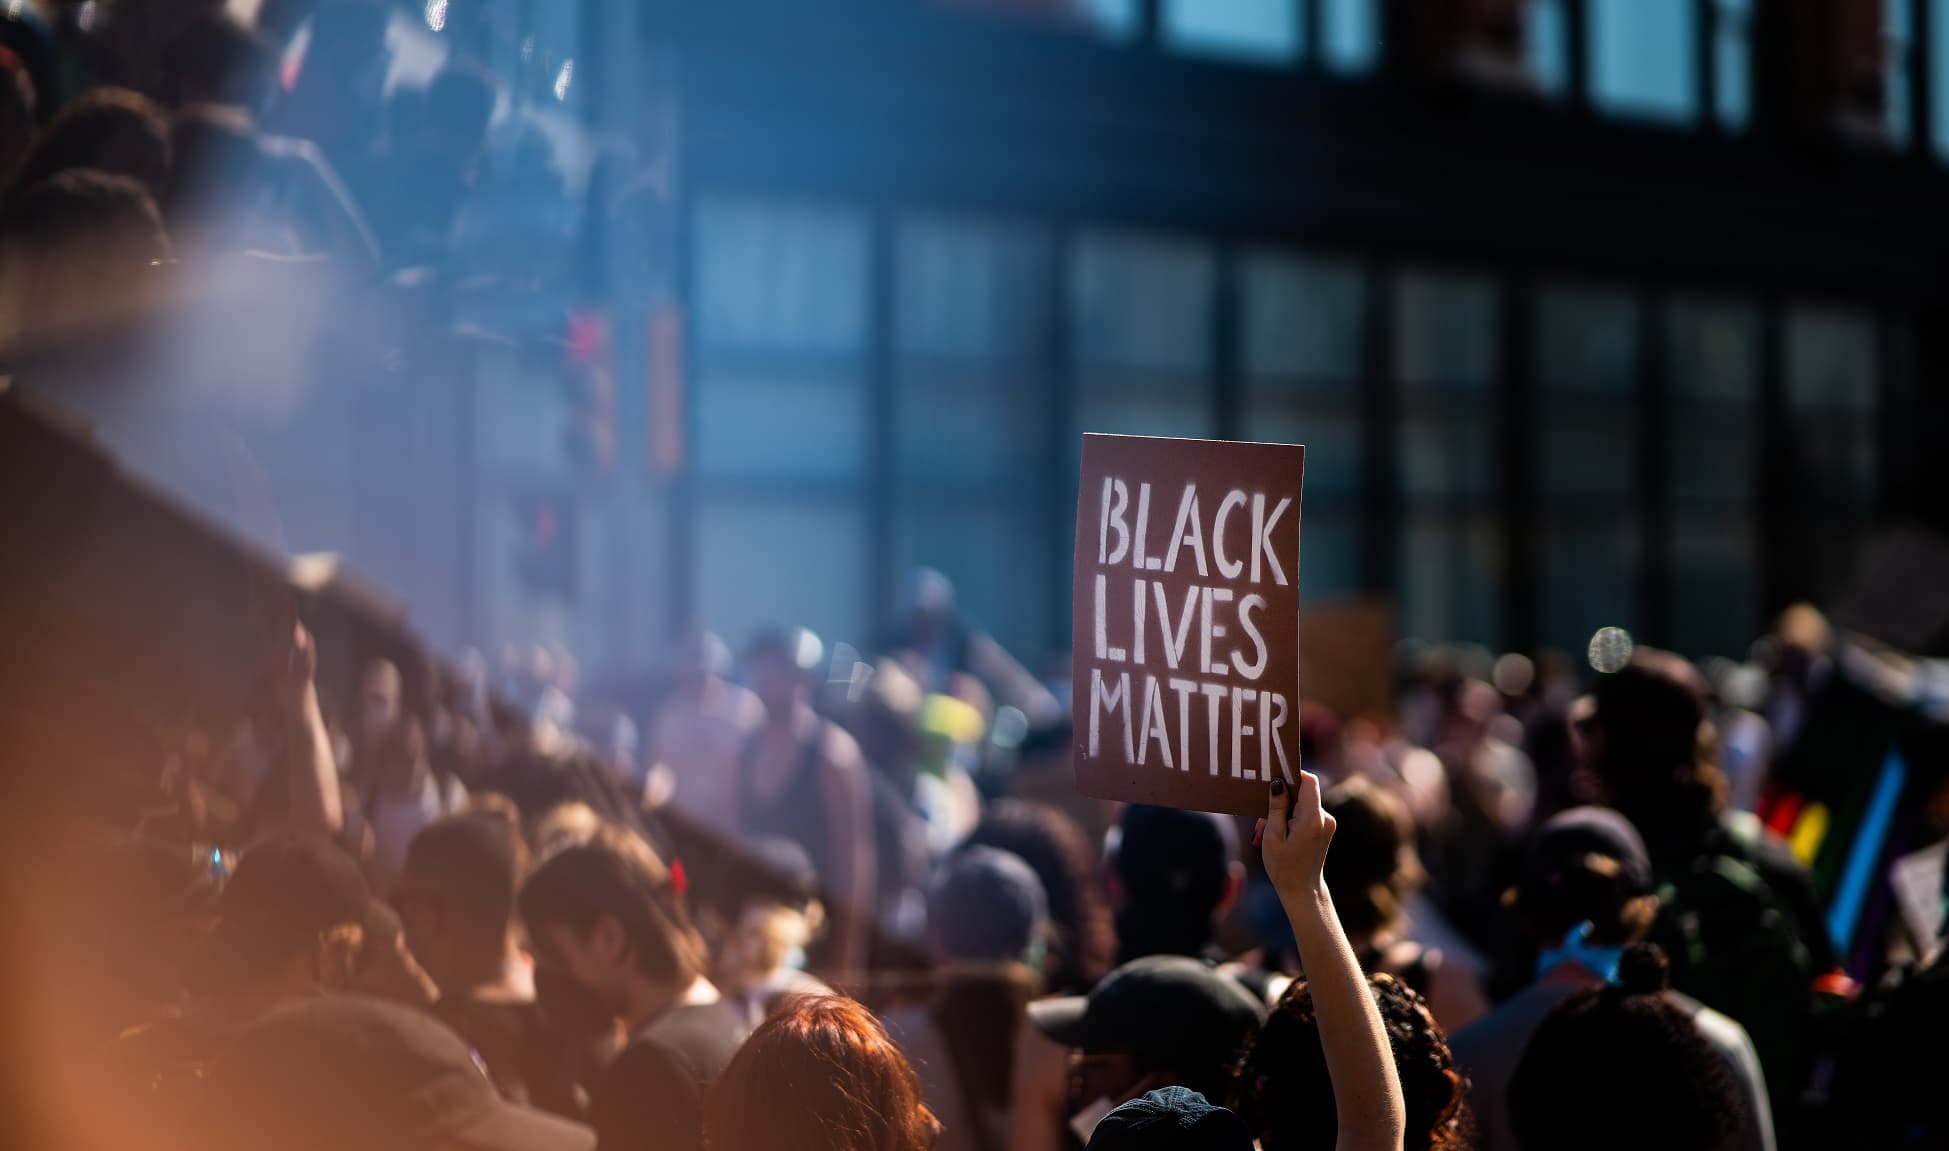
(817, 908)
(793, 897)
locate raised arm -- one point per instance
(1366, 1087)
(316, 805)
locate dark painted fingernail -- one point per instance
(1278, 787)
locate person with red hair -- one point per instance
(821, 1075)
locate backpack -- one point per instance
(1736, 945)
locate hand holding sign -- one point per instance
(1295, 836)
(1187, 621)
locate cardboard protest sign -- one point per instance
(1186, 635)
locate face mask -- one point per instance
(573, 1010)
(1576, 948)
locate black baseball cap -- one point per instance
(287, 892)
(1170, 1119)
(339, 1071)
(1163, 1010)
(1168, 858)
(1563, 842)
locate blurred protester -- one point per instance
(1285, 1091)
(457, 896)
(923, 799)
(987, 916)
(562, 799)
(78, 251)
(25, 35)
(387, 968)
(1081, 944)
(698, 733)
(611, 931)
(414, 188)
(1800, 664)
(218, 59)
(1375, 869)
(801, 778)
(1738, 915)
(759, 952)
(820, 1076)
(292, 922)
(1172, 1021)
(1491, 793)
(1585, 895)
(398, 791)
(349, 1071)
(1044, 772)
(1173, 875)
(1620, 1067)
(109, 130)
(1170, 1119)
(938, 646)
(334, 99)
(398, 796)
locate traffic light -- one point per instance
(545, 554)
(590, 431)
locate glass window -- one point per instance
(1301, 327)
(1587, 426)
(773, 558)
(1113, 18)
(781, 415)
(1833, 401)
(1351, 30)
(1446, 363)
(1714, 350)
(1897, 67)
(1546, 41)
(1266, 30)
(971, 419)
(1141, 323)
(1732, 48)
(1641, 58)
(788, 277)
(1938, 62)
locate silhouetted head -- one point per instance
(1621, 1067)
(109, 130)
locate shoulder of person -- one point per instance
(839, 748)
(651, 1064)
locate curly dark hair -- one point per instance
(1622, 1066)
(1285, 1095)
